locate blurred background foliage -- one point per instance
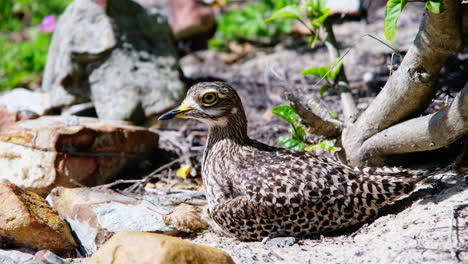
(23, 48)
(245, 23)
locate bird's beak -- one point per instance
(175, 113)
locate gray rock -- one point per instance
(121, 56)
(15, 256)
(21, 99)
(46, 256)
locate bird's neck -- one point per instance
(234, 133)
(231, 128)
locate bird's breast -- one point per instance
(219, 169)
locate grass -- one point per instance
(22, 62)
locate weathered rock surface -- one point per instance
(8, 118)
(28, 221)
(141, 247)
(95, 214)
(21, 99)
(48, 257)
(14, 256)
(57, 151)
(116, 53)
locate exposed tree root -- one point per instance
(316, 117)
(420, 134)
(407, 92)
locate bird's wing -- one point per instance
(286, 178)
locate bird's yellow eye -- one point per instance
(209, 98)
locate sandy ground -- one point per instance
(419, 233)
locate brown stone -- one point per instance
(185, 218)
(27, 221)
(47, 152)
(141, 247)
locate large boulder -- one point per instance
(70, 151)
(116, 53)
(27, 220)
(141, 247)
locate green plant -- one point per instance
(246, 24)
(329, 73)
(315, 11)
(20, 14)
(394, 8)
(23, 62)
(297, 130)
(313, 14)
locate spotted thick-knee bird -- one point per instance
(256, 191)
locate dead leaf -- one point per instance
(184, 171)
(185, 218)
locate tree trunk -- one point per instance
(408, 91)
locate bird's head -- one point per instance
(214, 103)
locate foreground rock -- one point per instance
(56, 151)
(26, 220)
(117, 54)
(15, 256)
(95, 214)
(48, 257)
(140, 247)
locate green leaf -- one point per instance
(324, 89)
(337, 65)
(318, 21)
(298, 132)
(333, 114)
(287, 113)
(313, 40)
(289, 142)
(290, 11)
(316, 5)
(326, 145)
(435, 7)
(300, 146)
(316, 71)
(392, 13)
(310, 147)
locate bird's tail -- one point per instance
(416, 175)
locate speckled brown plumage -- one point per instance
(254, 190)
